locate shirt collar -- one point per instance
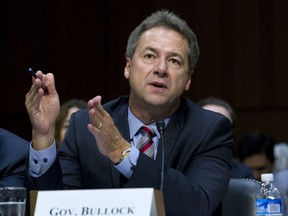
(135, 124)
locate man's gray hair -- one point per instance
(169, 20)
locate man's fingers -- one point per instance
(98, 105)
(94, 118)
(100, 109)
(92, 129)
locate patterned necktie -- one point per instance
(145, 144)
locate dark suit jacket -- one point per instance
(198, 155)
(13, 155)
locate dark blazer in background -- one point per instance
(198, 155)
(13, 154)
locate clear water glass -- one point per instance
(12, 201)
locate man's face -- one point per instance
(259, 164)
(158, 71)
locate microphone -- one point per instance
(161, 127)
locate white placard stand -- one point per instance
(113, 202)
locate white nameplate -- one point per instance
(138, 201)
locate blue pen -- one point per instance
(32, 72)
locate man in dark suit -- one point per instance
(100, 149)
(13, 155)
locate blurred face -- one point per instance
(218, 109)
(259, 164)
(66, 122)
(158, 71)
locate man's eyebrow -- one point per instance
(151, 49)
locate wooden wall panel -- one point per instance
(246, 54)
(206, 79)
(243, 56)
(280, 54)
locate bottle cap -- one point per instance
(267, 177)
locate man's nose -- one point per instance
(162, 67)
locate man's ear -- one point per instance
(127, 68)
(187, 86)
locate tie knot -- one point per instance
(147, 131)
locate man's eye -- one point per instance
(149, 56)
(175, 61)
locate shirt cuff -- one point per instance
(41, 161)
(127, 165)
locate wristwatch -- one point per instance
(124, 154)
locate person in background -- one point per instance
(220, 106)
(62, 121)
(281, 156)
(102, 147)
(239, 170)
(13, 155)
(256, 150)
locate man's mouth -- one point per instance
(158, 85)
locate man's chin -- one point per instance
(157, 101)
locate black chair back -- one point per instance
(240, 198)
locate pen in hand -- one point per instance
(30, 70)
(32, 73)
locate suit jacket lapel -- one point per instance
(172, 132)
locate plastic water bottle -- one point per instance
(268, 201)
